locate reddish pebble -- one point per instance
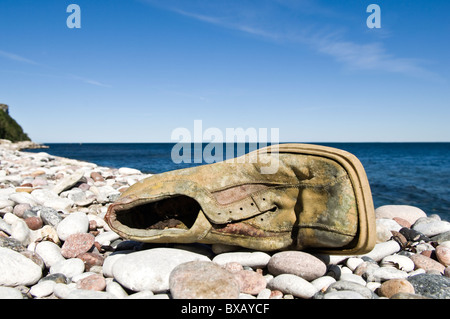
(19, 209)
(77, 244)
(426, 263)
(39, 181)
(402, 222)
(91, 259)
(395, 286)
(443, 255)
(37, 173)
(428, 253)
(92, 225)
(84, 186)
(97, 177)
(250, 282)
(276, 294)
(34, 222)
(93, 282)
(233, 267)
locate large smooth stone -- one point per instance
(16, 269)
(297, 263)
(150, 269)
(406, 212)
(202, 280)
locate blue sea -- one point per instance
(415, 174)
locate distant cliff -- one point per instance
(9, 128)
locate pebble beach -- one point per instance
(55, 244)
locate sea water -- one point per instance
(416, 174)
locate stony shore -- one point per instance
(54, 244)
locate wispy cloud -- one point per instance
(369, 56)
(88, 81)
(223, 22)
(21, 59)
(352, 54)
(16, 57)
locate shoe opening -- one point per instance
(179, 212)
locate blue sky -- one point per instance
(138, 69)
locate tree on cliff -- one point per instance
(9, 128)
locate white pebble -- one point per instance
(322, 283)
(343, 294)
(398, 261)
(10, 293)
(74, 223)
(353, 278)
(129, 171)
(61, 290)
(16, 269)
(69, 267)
(106, 238)
(382, 250)
(145, 294)
(388, 223)
(386, 273)
(247, 259)
(10, 218)
(109, 261)
(264, 294)
(49, 252)
(373, 285)
(89, 294)
(431, 227)
(294, 285)
(43, 288)
(150, 269)
(23, 198)
(21, 232)
(115, 289)
(354, 262)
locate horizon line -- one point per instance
(211, 142)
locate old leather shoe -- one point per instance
(287, 196)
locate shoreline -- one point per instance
(52, 226)
(21, 146)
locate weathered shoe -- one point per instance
(316, 198)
